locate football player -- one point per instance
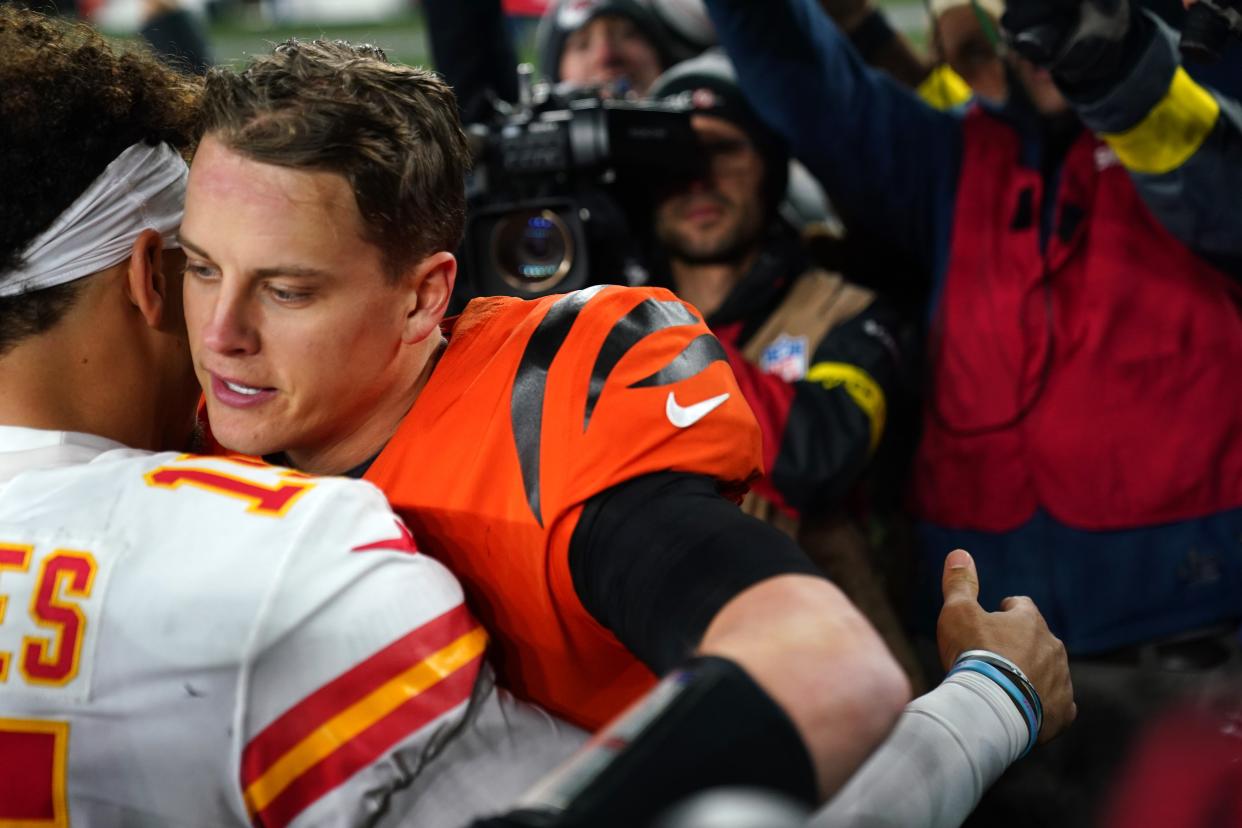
(187, 640)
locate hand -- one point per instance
(1018, 632)
(1078, 40)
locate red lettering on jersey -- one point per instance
(55, 661)
(264, 500)
(32, 787)
(404, 542)
(17, 558)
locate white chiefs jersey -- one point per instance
(201, 641)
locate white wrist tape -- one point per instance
(948, 746)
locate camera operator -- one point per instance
(816, 356)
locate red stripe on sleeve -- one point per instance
(370, 745)
(309, 714)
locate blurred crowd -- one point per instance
(1020, 341)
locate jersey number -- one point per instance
(263, 499)
(65, 579)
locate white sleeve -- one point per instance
(363, 664)
(948, 746)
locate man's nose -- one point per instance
(605, 50)
(230, 330)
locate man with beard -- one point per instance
(816, 357)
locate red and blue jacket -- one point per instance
(1082, 432)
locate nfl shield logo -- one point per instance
(786, 357)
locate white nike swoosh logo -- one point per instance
(686, 416)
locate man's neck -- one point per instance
(75, 377)
(706, 286)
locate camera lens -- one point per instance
(532, 250)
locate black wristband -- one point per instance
(706, 725)
(871, 35)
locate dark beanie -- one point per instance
(564, 17)
(709, 84)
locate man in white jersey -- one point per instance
(188, 640)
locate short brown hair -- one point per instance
(391, 131)
(70, 103)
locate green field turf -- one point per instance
(403, 39)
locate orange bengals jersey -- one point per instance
(534, 407)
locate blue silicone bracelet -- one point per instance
(985, 669)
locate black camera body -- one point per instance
(558, 187)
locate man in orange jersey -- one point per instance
(583, 448)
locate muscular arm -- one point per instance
(813, 652)
(672, 568)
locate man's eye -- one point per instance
(199, 271)
(288, 296)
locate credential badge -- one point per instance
(786, 357)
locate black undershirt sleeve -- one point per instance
(655, 558)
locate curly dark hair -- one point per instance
(70, 103)
(391, 131)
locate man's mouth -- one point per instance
(237, 394)
(241, 389)
(704, 212)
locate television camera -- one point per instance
(560, 183)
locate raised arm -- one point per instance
(888, 161)
(1180, 141)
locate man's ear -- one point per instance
(432, 287)
(148, 289)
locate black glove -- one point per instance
(1080, 41)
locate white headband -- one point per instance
(143, 188)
